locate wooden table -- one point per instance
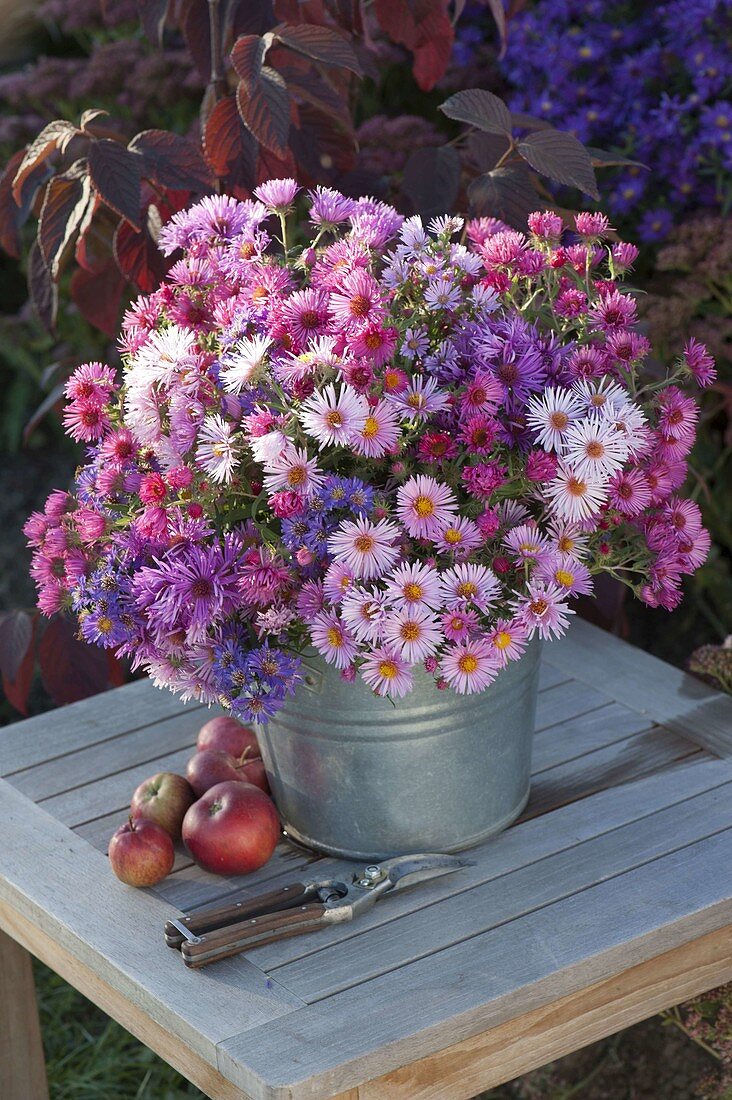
(609, 900)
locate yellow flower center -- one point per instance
(502, 639)
(296, 475)
(334, 418)
(453, 536)
(565, 544)
(467, 589)
(468, 663)
(410, 631)
(575, 487)
(412, 591)
(364, 543)
(370, 428)
(564, 577)
(388, 669)
(335, 637)
(104, 624)
(539, 606)
(424, 507)
(594, 449)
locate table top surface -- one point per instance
(624, 852)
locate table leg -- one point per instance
(22, 1065)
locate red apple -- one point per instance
(141, 853)
(212, 766)
(252, 771)
(164, 799)
(227, 735)
(207, 768)
(232, 830)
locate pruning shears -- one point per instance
(218, 932)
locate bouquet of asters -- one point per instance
(395, 443)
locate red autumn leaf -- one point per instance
(41, 288)
(98, 296)
(70, 669)
(171, 160)
(55, 135)
(9, 210)
(65, 205)
(138, 257)
(434, 48)
(230, 148)
(16, 632)
(322, 44)
(247, 57)
(116, 173)
(265, 110)
(17, 688)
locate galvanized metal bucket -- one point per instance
(362, 777)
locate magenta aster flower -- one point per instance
(423, 505)
(86, 420)
(357, 300)
(508, 639)
(306, 313)
(459, 624)
(699, 362)
(329, 207)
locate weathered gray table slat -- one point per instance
(624, 854)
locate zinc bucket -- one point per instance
(362, 777)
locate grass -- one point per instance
(90, 1057)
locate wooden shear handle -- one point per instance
(206, 920)
(234, 938)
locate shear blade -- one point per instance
(408, 870)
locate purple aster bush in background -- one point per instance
(396, 443)
(652, 81)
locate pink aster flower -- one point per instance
(357, 300)
(546, 224)
(90, 380)
(573, 497)
(277, 195)
(629, 492)
(85, 420)
(334, 418)
(508, 639)
(613, 310)
(364, 611)
(470, 666)
(459, 624)
(699, 362)
(423, 504)
(437, 446)
(310, 600)
(591, 225)
(306, 314)
(379, 432)
(469, 583)
(412, 631)
(338, 582)
(684, 516)
(374, 342)
(414, 584)
(367, 547)
(567, 573)
(528, 543)
(387, 672)
(483, 394)
(332, 639)
(478, 433)
(544, 609)
(458, 535)
(293, 471)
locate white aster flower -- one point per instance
(550, 414)
(334, 418)
(593, 447)
(217, 453)
(244, 362)
(575, 498)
